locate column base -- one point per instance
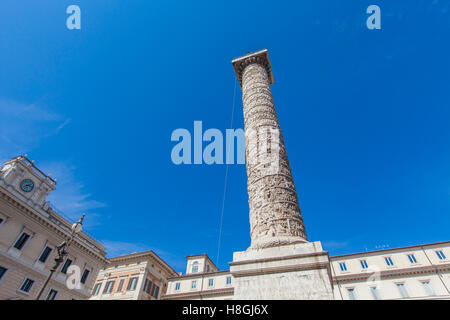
(298, 271)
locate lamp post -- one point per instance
(61, 249)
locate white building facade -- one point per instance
(415, 272)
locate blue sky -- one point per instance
(365, 116)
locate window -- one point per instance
(45, 254)
(2, 272)
(52, 294)
(84, 276)
(177, 286)
(402, 289)
(441, 255)
(412, 258)
(195, 267)
(66, 266)
(26, 285)
(194, 284)
(364, 264)
(375, 293)
(207, 268)
(96, 289)
(343, 266)
(20, 243)
(147, 285)
(389, 261)
(120, 286)
(210, 282)
(108, 287)
(228, 280)
(351, 294)
(428, 289)
(155, 291)
(132, 284)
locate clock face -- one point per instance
(27, 185)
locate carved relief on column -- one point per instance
(275, 216)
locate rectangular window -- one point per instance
(389, 261)
(147, 285)
(351, 294)
(132, 284)
(364, 264)
(20, 243)
(52, 294)
(402, 289)
(26, 285)
(228, 280)
(428, 289)
(109, 286)
(85, 276)
(194, 284)
(66, 266)
(2, 272)
(120, 286)
(375, 293)
(155, 291)
(441, 255)
(45, 254)
(343, 266)
(177, 286)
(96, 289)
(412, 258)
(210, 282)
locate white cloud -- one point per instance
(70, 195)
(117, 248)
(333, 245)
(23, 126)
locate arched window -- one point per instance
(195, 267)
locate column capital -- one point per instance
(261, 57)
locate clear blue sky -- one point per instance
(365, 116)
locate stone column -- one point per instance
(280, 263)
(275, 217)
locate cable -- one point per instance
(226, 179)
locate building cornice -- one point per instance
(144, 254)
(293, 268)
(418, 246)
(199, 294)
(45, 222)
(393, 273)
(260, 57)
(295, 256)
(199, 275)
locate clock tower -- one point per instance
(21, 177)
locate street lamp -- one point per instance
(61, 249)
